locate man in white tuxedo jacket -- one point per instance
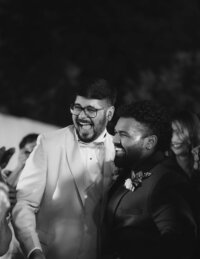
(61, 188)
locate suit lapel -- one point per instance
(108, 165)
(76, 165)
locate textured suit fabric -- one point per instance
(55, 208)
(154, 221)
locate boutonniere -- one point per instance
(135, 180)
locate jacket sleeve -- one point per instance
(30, 190)
(173, 216)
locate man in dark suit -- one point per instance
(149, 211)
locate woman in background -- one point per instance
(185, 145)
(185, 142)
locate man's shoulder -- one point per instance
(58, 134)
(166, 166)
(109, 136)
(168, 173)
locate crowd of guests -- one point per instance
(8, 183)
(85, 193)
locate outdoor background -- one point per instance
(147, 49)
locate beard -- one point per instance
(89, 130)
(127, 158)
(120, 159)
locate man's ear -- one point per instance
(110, 113)
(151, 142)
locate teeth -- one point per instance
(119, 150)
(82, 123)
(176, 145)
(86, 126)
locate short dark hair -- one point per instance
(96, 88)
(154, 116)
(28, 139)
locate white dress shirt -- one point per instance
(93, 156)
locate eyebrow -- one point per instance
(87, 106)
(121, 131)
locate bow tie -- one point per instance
(91, 144)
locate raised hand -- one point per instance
(196, 157)
(37, 254)
(4, 200)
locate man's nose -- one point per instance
(82, 114)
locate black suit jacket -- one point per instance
(154, 221)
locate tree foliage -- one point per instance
(150, 48)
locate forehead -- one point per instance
(91, 102)
(179, 128)
(130, 125)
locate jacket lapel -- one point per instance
(108, 164)
(75, 164)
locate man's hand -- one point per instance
(12, 195)
(196, 157)
(4, 201)
(37, 254)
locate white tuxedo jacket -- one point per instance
(54, 210)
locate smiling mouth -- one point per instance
(119, 150)
(176, 145)
(85, 125)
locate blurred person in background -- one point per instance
(186, 141)
(185, 146)
(7, 199)
(148, 212)
(26, 146)
(64, 179)
(5, 231)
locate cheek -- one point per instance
(175, 136)
(99, 123)
(127, 145)
(73, 119)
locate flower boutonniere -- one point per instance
(135, 180)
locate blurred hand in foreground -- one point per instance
(196, 157)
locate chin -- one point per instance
(86, 138)
(179, 152)
(119, 162)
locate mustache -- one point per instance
(118, 145)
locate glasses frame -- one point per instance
(85, 110)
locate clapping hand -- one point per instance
(4, 200)
(12, 195)
(196, 157)
(37, 254)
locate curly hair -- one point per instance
(154, 116)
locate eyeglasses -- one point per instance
(90, 111)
